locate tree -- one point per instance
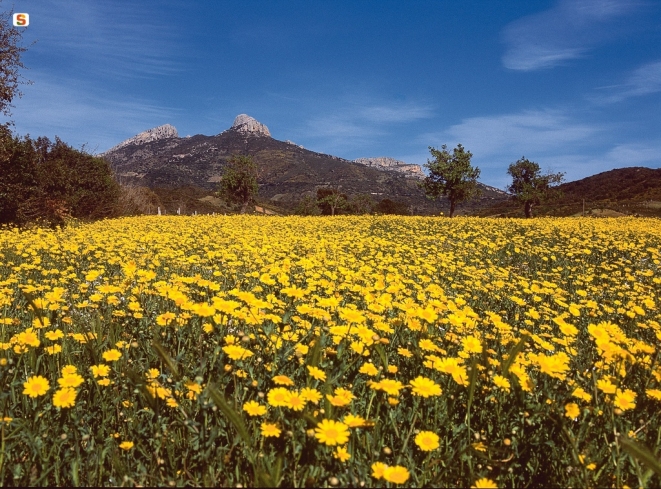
(238, 184)
(45, 181)
(451, 175)
(387, 206)
(307, 206)
(331, 200)
(531, 188)
(360, 204)
(10, 62)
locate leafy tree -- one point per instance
(529, 187)
(451, 175)
(331, 200)
(10, 62)
(307, 206)
(360, 204)
(238, 184)
(387, 206)
(49, 181)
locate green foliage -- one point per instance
(307, 206)
(330, 200)
(387, 206)
(45, 181)
(239, 181)
(530, 187)
(360, 204)
(10, 62)
(451, 175)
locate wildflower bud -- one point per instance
(228, 368)
(384, 341)
(387, 451)
(310, 433)
(245, 339)
(254, 383)
(135, 344)
(376, 337)
(85, 437)
(479, 466)
(507, 442)
(333, 481)
(63, 436)
(260, 395)
(476, 435)
(618, 411)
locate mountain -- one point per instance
(158, 158)
(622, 191)
(386, 163)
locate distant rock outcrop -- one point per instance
(248, 125)
(386, 163)
(161, 132)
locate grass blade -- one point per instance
(641, 453)
(518, 348)
(230, 413)
(163, 355)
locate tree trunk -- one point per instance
(244, 206)
(452, 206)
(528, 209)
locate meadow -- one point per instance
(352, 351)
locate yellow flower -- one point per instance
(484, 483)
(36, 386)
(332, 432)
(317, 373)
(501, 382)
(378, 468)
(311, 395)
(471, 344)
(342, 454)
(236, 352)
(369, 369)
(126, 445)
(283, 380)
(396, 474)
(112, 355)
(606, 386)
(253, 408)
(100, 370)
(295, 401)
(270, 429)
(54, 335)
(104, 382)
(52, 350)
(73, 380)
(654, 394)
(572, 410)
(425, 387)
(581, 394)
(427, 441)
(278, 397)
(392, 369)
(389, 386)
(353, 421)
(69, 370)
(625, 399)
(64, 398)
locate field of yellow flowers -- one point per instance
(352, 351)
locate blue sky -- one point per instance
(572, 85)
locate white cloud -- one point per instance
(566, 31)
(642, 81)
(116, 40)
(71, 108)
(351, 126)
(524, 133)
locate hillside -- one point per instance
(158, 158)
(623, 191)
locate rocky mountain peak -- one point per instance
(248, 125)
(391, 164)
(161, 132)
